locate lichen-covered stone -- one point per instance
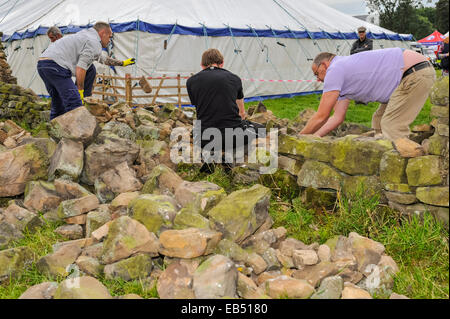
(176, 282)
(78, 125)
(424, 171)
(330, 288)
(399, 188)
(438, 145)
(402, 198)
(41, 196)
(437, 196)
(283, 181)
(136, 267)
(21, 218)
(305, 146)
(20, 165)
(95, 219)
(392, 168)
(156, 212)
(439, 111)
(371, 186)
(215, 278)
(162, 179)
(81, 288)
(289, 164)
(126, 237)
(186, 218)
(439, 92)
(78, 206)
(67, 161)
(106, 154)
(241, 213)
(120, 129)
(232, 250)
(319, 175)
(358, 156)
(14, 261)
(200, 196)
(57, 263)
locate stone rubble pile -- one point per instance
(105, 172)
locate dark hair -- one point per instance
(212, 56)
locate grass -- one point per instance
(290, 108)
(419, 247)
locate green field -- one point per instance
(362, 114)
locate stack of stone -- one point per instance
(5, 70)
(22, 105)
(19, 104)
(419, 184)
(129, 216)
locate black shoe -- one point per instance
(359, 102)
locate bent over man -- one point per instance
(73, 55)
(399, 79)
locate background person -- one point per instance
(73, 55)
(363, 43)
(399, 79)
(443, 55)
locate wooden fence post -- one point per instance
(128, 90)
(179, 90)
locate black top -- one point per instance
(444, 61)
(214, 92)
(360, 46)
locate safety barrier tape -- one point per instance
(252, 80)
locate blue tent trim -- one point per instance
(215, 32)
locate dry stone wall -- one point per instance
(411, 185)
(19, 104)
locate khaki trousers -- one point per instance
(393, 119)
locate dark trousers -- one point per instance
(59, 85)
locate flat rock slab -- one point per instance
(82, 288)
(126, 237)
(78, 125)
(78, 206)
(188, 243)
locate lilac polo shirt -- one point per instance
(370, 76)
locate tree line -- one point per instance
(411, 16)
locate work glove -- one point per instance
(129, 62)
(81, 95)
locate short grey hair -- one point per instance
(324, 56)
(53, 30)
(101, 25)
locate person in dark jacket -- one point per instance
(363, 43)
(443, 55)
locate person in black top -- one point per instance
(363, 43)
(219, 99)
(443, 55)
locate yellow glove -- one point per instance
(129, 62)
(81, 95)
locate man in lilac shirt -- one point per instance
(399, 79)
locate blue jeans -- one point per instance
(60, 87)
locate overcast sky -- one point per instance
(356, 7)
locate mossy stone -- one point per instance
(392, 168)
(424, 171)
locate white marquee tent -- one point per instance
(268, 43)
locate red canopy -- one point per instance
(433, 39)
